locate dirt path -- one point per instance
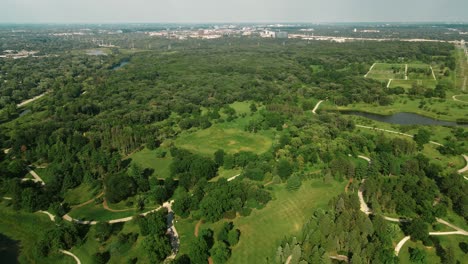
(197, 228)
(72, 255)
(106, 206)
(433, 74)
(288, 259)
(316, 107)
(87, 202)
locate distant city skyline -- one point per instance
(224, 11)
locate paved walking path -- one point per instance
(30, 100)
(35, 176)
(316, 107)
(458, 100)
(400, 244)
(372, 67)
(72, 255)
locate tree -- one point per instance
(418, 230)
(417, 255)
(219, 157)
(198, 251)
(284, 169)
(158, 247)
(220, 252)
(101, 257)
(119, 187)
(253, 108)
(294, 183)
(422, 137)
(233, 237)
(103, 230)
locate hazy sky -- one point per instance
(114, 11)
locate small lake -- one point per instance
(120, 65)
(9, 250)
(403, 119)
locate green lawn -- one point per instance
(232, 140)
(80, 194)
(447, 109)
(26, 227)
(407, 84)
(98, 213)
(262, 231)
(431, 256)
(148, 159)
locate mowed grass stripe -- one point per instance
(263, 230)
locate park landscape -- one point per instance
(210, 153)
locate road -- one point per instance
(316, 107)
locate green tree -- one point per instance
(422, 137)
(158, 247)
(233, 237)
(284, 169)
(219, 157)
(220, 252)
(417, 255)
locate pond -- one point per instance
(120, 65)
(403, 119)
(9, 250)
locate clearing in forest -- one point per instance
(403, 74)
(232, 140)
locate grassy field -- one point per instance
(262, 231)
(98, 213)
(26, 227)
(232, 140)
(119, 254)
(407, 84)
(148, 159)
(80, 194)
(385, 71)
(447, 109)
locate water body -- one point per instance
(120, 65)
(403, 119)
(9, 250)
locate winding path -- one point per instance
(400, 244)
(458, 100)
(316, 107)
(72, 255)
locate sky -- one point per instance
(216, 11)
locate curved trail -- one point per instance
(316, 107)
(71, 255)
(106, 207)
(411, 136)
(458, 100)
(400, 244)
(51, 216)
(87, 202)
